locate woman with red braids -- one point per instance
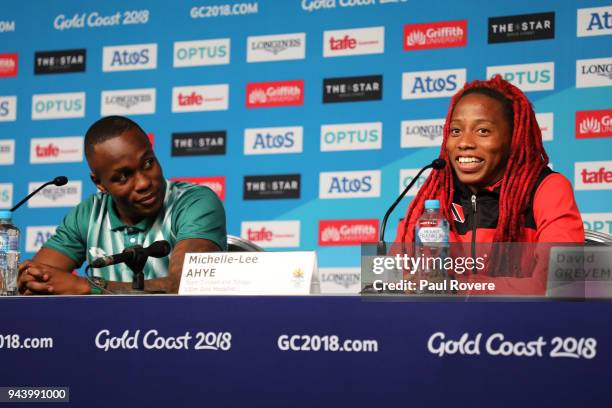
(496, 185)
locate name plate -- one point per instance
(249, 273)
(580, 272)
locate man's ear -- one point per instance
(96, 181)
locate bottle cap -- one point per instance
(432, 204)
(6, 215)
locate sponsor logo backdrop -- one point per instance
(281, 106)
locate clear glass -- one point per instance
(431, 242)
(9, 258)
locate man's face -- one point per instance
(479, 141)
(126, 168)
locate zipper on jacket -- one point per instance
(474, 225)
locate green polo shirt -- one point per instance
(93, 229)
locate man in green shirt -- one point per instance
(135, 205)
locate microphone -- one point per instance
(58, 181)
(158, 249)
(436, 164)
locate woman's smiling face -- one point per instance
(478, 144)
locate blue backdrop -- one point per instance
(399, 46)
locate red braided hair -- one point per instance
(526, 160)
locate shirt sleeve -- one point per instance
(556, 213)
(200, 214)
(71, 235)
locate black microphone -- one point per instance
(158, 249)
(58, 181)
(381, 249)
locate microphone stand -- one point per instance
(58, 181)
(135, 257)
(136, 264)
(381, 248)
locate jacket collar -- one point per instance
(464, 190)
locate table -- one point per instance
(398, 364)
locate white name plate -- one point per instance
(249, 273)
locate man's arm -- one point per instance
(50, 272)
(54, 259)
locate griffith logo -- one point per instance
(280, 93)
(347, 232)
(444, 34)
(595, 123)
(215, 183)
(593, 175)
(8, 65)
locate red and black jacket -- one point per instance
(551, 216)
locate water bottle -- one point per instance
(9, 254)
(431, 245)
